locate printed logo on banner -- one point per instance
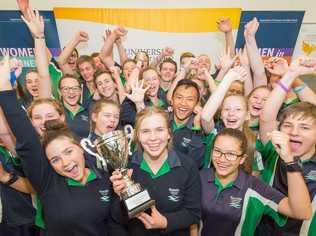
(17, 41)
(275, 24)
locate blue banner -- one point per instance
(17, 40)
(277, 33)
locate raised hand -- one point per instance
(35, 23)
(237, 73)
(197, 118)
(226, 61)
(224, 25)
(251, 28)
(281, 143)
(138, 92)
(243, 57)
(23, 5)
(303, 66)
(153, 221)
(82, 36)
(120, 31)
(5, 74)
(276, 65)
(167, 52)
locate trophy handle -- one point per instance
(129, 133)
(85, 142)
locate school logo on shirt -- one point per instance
(104, 195)
(311, 175)
(174, 194)
(84, 118)
(185, 142)
(235, 202)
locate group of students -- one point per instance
(231, 153)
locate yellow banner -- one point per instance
(193, 20)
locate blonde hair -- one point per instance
(147, 112)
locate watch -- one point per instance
(13, 179)
(294, 166)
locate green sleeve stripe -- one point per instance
(309, 226)
(270, 159)
(254, 207)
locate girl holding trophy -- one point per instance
(173, 182)
(75, 199)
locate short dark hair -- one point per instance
(187, 83)
(168, 60)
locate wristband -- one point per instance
(283, 86)
(299, 88)
(13, 179)
(293, 166)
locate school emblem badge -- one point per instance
(174, 194)
(235, 202)
(104, 195)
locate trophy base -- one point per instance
(137, 203)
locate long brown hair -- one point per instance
(243, 143)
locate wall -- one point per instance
(308, 5)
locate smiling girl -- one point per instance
(171, 181)
(235, 201)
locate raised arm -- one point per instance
(304, 93)
(79, 37)
(107, 48)
(28, 146)
(226, 63)
(298, 203)
(216, 99)
(120, 88)
(121, 50)
(268, 118)
(256, 63)
(224, 25)
(244, 62)
(18, 183)
(35, 23)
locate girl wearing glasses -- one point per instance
(235, 201)
(77, 117)
(234, 114)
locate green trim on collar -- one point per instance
(220, 187)
(176, 127)
(73, 114)
(92, 176)
(161, 103)
(8, 157)
(164, 169)
(196, 128)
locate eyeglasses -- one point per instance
(68, 89)
(228, 155)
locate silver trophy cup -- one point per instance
(112, 150)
